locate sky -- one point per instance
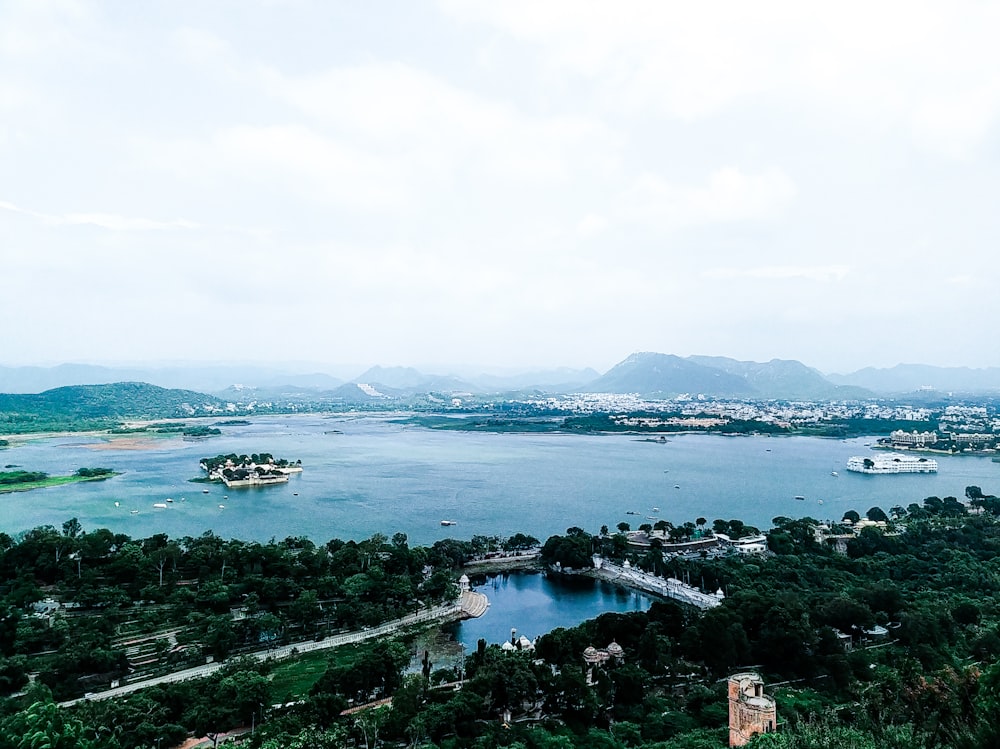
(507, 185)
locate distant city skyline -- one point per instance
(472, 185)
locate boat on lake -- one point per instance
(448, 522)
(892, 463)
(799, 497)
(160, 505)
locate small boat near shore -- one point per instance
(448, 522)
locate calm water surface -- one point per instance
(534, 604)
(366, 475)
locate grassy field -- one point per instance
(292, 679)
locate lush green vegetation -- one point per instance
(98, 407)
(487, 423)
(176, 600)
(211, 464)
(93, 473)
(538, 419)
(201, 431)
(26, 480)
(21, 422)
(929, 678)
(182, 429)
(12, 478)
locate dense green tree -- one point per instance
(876, 514)
(44, 726)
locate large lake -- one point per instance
(366, 474)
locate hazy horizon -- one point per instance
(515, 185)
(349, 372)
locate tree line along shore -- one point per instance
(892, 641)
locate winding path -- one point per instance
(469, 604)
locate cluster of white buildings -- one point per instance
(786, 413)
(250, 474)
(668, 587)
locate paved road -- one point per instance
(438, 613)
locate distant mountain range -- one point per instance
(665, 375)
(907, 378)
(245, 383)
(648, 373)
(207, 379)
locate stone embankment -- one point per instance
(469, 605)
(473, 604)
(666, 587)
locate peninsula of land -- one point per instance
(22, 481)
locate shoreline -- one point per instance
(107, 440)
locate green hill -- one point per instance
(87, 406)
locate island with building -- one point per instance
(243, 471)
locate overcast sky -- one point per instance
(500, 184)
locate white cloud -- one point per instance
(309, 162)
(439, 127)
(922, 69)
(114, 222)
(966, 281)
(541, 179)
(201, 47)
(730, 195)
(783, 272)
(592, 225)
(14, 97)
(34, 28)
(110, 221)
